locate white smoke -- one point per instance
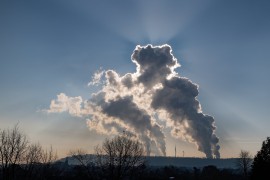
(133, 101)
(96, 78)
(64, 103)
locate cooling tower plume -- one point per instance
(134, 101)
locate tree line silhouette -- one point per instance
(121, 157)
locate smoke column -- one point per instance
(133, 102)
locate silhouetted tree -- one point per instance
(13, 146)
(48, 170)
(39, 162)
(244, 163)
(32, 160)
(21, 160)
(120, 156)
(261, 164)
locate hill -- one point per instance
(188, 162)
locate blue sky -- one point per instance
(49, 47)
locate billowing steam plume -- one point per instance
(134, 101)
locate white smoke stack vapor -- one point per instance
(177, 96)
(131, 115)
(131, 102)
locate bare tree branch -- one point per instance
(120, 156)
(244, 162)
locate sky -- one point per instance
(52, 47)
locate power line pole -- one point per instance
(175, 151)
